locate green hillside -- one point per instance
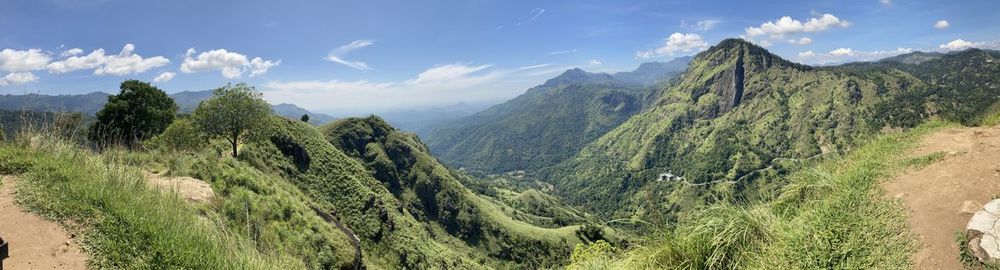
(739, 109)
(433, 195)
(550, 122)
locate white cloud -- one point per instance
(259, 66)
(93, 60)
(446, 73)
(801, 41)
(677, 42)
(164, 77)
(18, 61)
(533, 66)
(885, 2)
(942, 24)
(535, 13)
(71, 52)
(594, 62)
(784, 26)
(126, 62)
(437, 85)
(844, 55)
(957, 45)
(230, 64)
(702, 25)
(17, 78)
(563, 52)
(337, 55)
(842, 52)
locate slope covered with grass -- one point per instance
(732, 121)
(434, 196)
(832, 214)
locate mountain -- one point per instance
(549, 122)
(85, 103)
(421, 120)
(291, 110)
(90, 103)
(651, 73)
(738, 109)
(913, 57)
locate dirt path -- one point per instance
(943, 195)
(35, 243)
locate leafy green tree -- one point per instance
(235, 113)
(138, 112)
(179, 136)
(305, 118)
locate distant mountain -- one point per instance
(422, 120)
(90, 103)
(85, 103)
(738, 108)
(913, 57)
(549, 122)
(651, 73)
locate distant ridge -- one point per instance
(90, 103)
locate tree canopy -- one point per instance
(235, 112)
(139, 111)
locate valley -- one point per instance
(577, 135)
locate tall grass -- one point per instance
(830, 216)
(125, 224)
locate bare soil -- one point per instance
(943, 196)
(190, 189)
(34, 242)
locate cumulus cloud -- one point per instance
(942, 24)
(844, 55)
(17, 78)
(164, 77)
(885, 2)
(92, 60)
(337, 55)
(702, 25)
(438, 84)
(957, 44)
(594, 62)
(677, 42)
(788, 26)
(127, 62)
(801, 41)
(71, 52)
(19, 61)
(231, 64)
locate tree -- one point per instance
(179, 136)
(305, 118)
(139, 111)
(235, 113)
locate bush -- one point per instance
(180, 136)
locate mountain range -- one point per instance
(549, 122)
(90, 103)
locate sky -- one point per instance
(374, 55)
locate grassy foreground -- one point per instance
(127, 225)
(832, 215)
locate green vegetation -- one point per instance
(739, 112)
(550, 122)
(140, 111)
(236, 113)
(830, 215)
(126, 225)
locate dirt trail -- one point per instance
(944, 195)
(35, 243)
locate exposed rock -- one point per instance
(982, 232)
(190, 189)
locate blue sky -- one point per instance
(370, 56)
